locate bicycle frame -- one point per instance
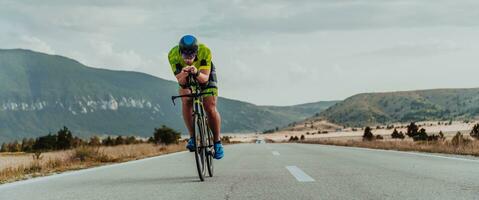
(203, 143)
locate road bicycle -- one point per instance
(202, 136)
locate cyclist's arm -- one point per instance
(203, 76)
(205, 68)
(181, 77)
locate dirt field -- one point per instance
(347, 134)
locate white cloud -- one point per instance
(33, 43)
(106, 54)
(265, 51)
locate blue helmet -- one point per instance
(188, 45)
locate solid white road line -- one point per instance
(275, 153)
(81, 171)
(419, 154)
(299, 174)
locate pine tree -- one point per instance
(368, 135)
(475, 131)
(4, 148)
(64, 138)
(412, 130)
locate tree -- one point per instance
(94, 141)
(475, 131)
(4, 148)
(368, 135)
(27, 144)
(412, 130)
(64, 138)
(151, 140)
(76, 142)
(302, 137)
(166, 135)
(47, 142)
(108, 141)
(119, 140)
(14, 146)
(131, 140)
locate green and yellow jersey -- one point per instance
(201, 62)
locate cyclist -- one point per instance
(190, 57)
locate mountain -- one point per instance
(382, 108)
(301, 111)
(40, 93)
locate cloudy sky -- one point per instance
(266, 52)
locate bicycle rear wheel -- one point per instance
(210, 150)
(200, 150)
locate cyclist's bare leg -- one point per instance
(214, 118)
(187, 107)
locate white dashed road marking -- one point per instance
(299, 174)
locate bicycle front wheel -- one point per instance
(200, 150)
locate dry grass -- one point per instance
(470, 148)
(23, 165)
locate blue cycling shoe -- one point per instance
(218, 150)
(191, 144)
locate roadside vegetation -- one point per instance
(54, 153)
(415, 139)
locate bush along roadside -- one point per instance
(68, 152)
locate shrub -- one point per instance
(459, 140)
(94, 141)
(302, 137)
(441, 136)
(475, 131)
(397, 135)
(433, 137)
(225, 139)
(34, 167)
(421, 135)
(166, 135)
(379, 137)
(86, 153)
(37, 155)
(293, 138)
(368, 135)
(151, 140)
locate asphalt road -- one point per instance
(267, 171)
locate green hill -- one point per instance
(382, 108)
(40, 93)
